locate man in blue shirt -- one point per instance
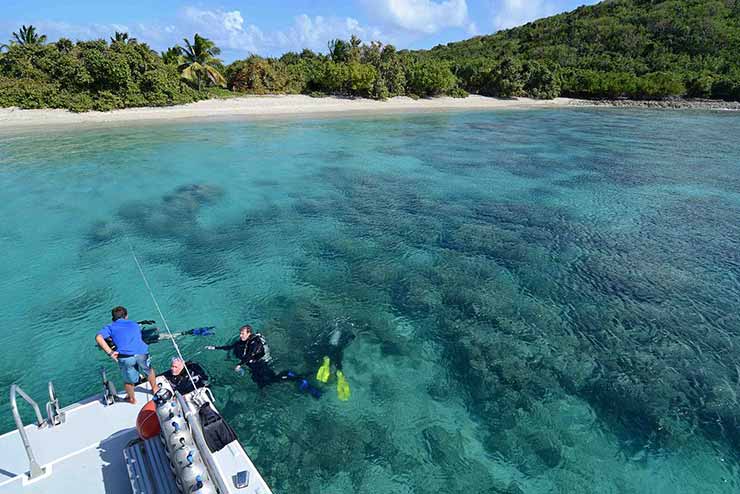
(132, 354)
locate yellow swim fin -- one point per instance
(324, 371)
(343, 391)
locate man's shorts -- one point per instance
(132, 366)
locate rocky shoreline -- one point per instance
(673, 104)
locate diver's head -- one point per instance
(177, 366)
(119, 312)
(245, 332)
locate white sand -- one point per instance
(264, 106)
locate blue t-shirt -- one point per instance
(127, 337)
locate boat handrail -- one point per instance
(191, 415)
(35, 470)
(53, 410)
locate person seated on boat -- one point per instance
(179, 379)
(131, 353)
(252, 352)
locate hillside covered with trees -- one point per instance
(640, 49)
(630, 48)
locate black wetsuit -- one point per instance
(324, 347)
(181, 382)
(255, 354)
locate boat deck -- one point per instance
(84, 455)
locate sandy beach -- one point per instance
(264, 106)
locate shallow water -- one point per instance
(542, 301)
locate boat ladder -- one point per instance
(55, 417)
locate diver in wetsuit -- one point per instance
(183, 380)
(333, 353)
(252, 351)
(151, 335)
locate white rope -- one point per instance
(164, 320)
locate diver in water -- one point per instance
(185, 381)
(152, 335)
(252, 351)
(333, 354)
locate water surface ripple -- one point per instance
(542, 301)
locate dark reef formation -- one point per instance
(531, 301)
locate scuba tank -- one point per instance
(173, 424)
(206, 489)
(266, 358)
(185, 461)
(180, 438)
(183, 457)
(192, 477)
(167, 411)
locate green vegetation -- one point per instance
(640, 49)
(619, 48)
(28, 36)
(199, 63)
(350, 68)
(89, 75)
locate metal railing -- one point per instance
(35, 470)
(191, 414)
(53, 410)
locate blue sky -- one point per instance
(241, 27)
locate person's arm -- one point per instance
(100, 340)
(222, 347)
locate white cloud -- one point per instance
(315, 32)
(422, 16)
(510, 13)
(228, 29)
(230, 32)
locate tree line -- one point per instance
(105, 75)
(642, 49)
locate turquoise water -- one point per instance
(543, 301)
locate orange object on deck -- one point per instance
(147, 423)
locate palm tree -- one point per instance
(173, 56)
(122, 38)
(64, 45)
(199, 60)
(28, 36)
(338, 50)
(354, 48)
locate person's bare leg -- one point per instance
(130, 393)
(153, 381)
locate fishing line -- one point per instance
(159, 310)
